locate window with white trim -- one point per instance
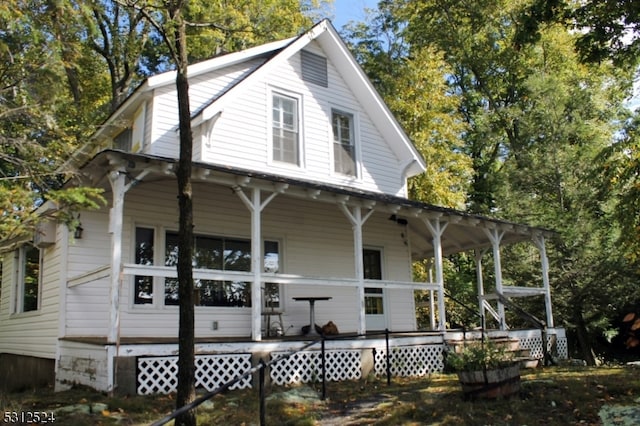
(143, 285)
(373, 297)
(344, 146)
(285, 133)
(272, 293)
(219, 253)
(27, 295)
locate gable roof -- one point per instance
(274, 54)
(338, 53)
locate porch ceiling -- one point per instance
(464, 231)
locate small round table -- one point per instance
(312, 314)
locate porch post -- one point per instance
(357, 221)
(478, 254)
(538, 240)
(255, 206)
(496, 237)
(117, 181)
(432, 305)
(256, 266)
(436, 228)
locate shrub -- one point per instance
(478, 356)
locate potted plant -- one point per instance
(485, 369)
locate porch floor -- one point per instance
(150, 340)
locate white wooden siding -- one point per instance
(240, 136)
(202, 89)
(316, 240)
(88, 304)
(32, 333)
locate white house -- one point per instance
(300, 185)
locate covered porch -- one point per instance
(423, 232)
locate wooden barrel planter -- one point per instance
(490, 384)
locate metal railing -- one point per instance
(262, 366)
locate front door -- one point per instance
(374, 304)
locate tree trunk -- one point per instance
(186, 334)
(584, 342)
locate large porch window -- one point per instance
(220, 253)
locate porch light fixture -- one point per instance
(398, 220)
(77, 233)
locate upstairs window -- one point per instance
(344, 148)
(285, 125)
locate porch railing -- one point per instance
(218, 275)
(262, 366)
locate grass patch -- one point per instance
(549, 396)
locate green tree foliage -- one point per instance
(608, 29)
(229, 26)
(534, 120)
(413, 81)
(36, 131)
(621, 178)
(488, 72)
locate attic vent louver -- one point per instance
(314, 68)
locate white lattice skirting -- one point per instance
(410, 361)
(534, 345)
(305, 367)
(160, 374)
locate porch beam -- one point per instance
(436, 227)
(495, 236)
